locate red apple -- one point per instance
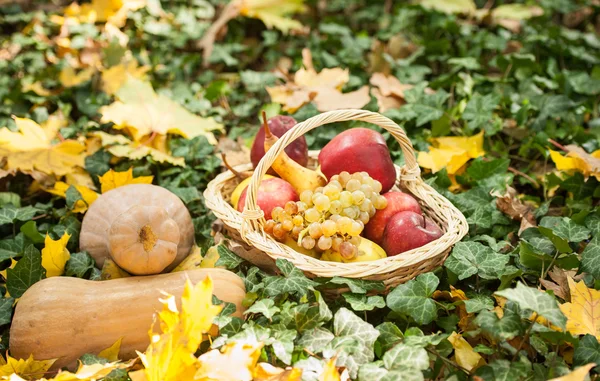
(408, 230)
(397, 202)
(357, 150)
(279, 125)
(272, 192)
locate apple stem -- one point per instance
(266, 126)
(229, 167)
(424, 223)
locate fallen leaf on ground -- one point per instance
(111, 353)
(510, 15)
(111, 11)
(577, 160)
(28, 368)
(578, 374)
(141, 111)
(560, 286)
(464, 355)
(235, 361)
(267, 372)
(111, 179)
(69, 78)
(191, 262)
(55, 255)
(453, 6)
(323, 88)
(31, 149)
(115, 76)
(330, 372)
(583, 312)
(509, 204)
(451, 152)
(88, 196)
(456, 296)
(236, 152)
(110, 270)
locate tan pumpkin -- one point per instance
(146, 229)
(64, 318)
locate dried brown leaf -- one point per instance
(509, 204)
(328, 99)
(236, 151)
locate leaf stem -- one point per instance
(454, 364)
(526, 337)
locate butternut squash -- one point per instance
(64, 318)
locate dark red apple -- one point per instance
(279, 125)
(408, 230)
(271, 193)
(397, 202)
(357, 150)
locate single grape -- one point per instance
(366, 205)
(336, 242)
(364, 217)
(352, 185)
(351, 212)
(332, 192)
(306, 197)
(322, 203)
(269, 225)
(287, 225)
(336, 184)
(348, 250)
(276, 212)
(335, 207)
(380, 203)
(358, 197)
(279, 233)
(376, 185)
(358, 176)
(296, 232)
(329, 228)
(344, 224)
(366, 179)
(334, 178)
(308, 243)
(366, 189)
(346, 199)
(356, 228)
(284, 216)
(315, 230)
(355, 240)
(335, 217)
(301, 206)
(291, 208)
(312, 215)
(374, 196)
(372, 211)
(344, 177)
(324, 243)
(298, 220)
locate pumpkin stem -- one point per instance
(147, 237)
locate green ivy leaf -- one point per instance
(30, 230)
(470, 258)
(587, 351)
(405, 355)
(361, 302)
(389, 335)
(481, 169)
(506, 328)
(292, 281)
(72, 195)
(479, 303)
(358, 286)
(590, 258)
(316, 339)
(543, 304)
(413, 298)
(266, 307)
(26, 272)
(479, 110)
(6, 308)
(79, 264)
(227, 258)
(12, 247)
(566, 228)
(10, 213)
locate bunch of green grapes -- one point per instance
(330, 217)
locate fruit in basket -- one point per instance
(330, 218)
(272, 193)
(408, 230)
(89, 316)
(367, 251)
(301, 178)
(279, 125)
(144, 228)
(235, 195)
(396, 202)
(359, 150)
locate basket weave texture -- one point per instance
(248, 226)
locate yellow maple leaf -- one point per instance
(114, 77)
(577, 160)
(79, 177)
(37, 88)
(191, 262)
(111, 353)
(583, 312)
(273, 12)
(141, 111)
(55, 255)
(451, 152)
(28, 368)
(170, 356)
(578, 374)
(267, 372)
(330, 372)
(464, 354)
(69, 78)
(235, 361)
(88, 195)
(112, 11)
(110, 270)
(111, 179)
(31, 149)
(91, 372)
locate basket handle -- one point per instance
(253, 215)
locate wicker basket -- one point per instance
(247, 226)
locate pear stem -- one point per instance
(268, 133)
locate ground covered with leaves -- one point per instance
(500, 100)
